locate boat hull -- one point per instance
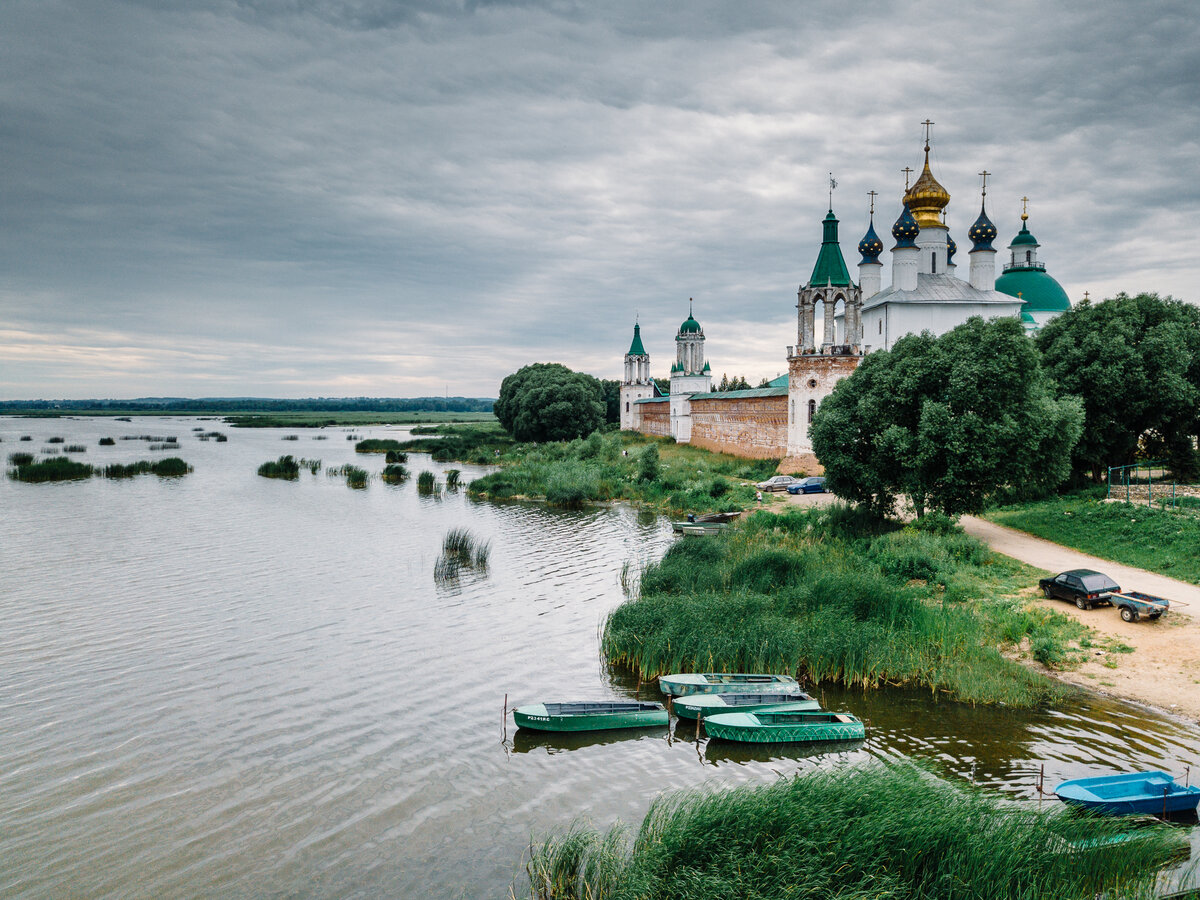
(590, 716)
(1131, 793)
(769, 727)
(723, 683)
(702, 705)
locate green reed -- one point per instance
(426, 482)
(396, 456)
(20, 459)
(171, 467)
(74, 448)
(452, 478)
(881, 830)
(394, 473)
(286, 467)
(355, 477)
(55, 469)
(107, 442)
(462, 551)
(815, 595)
(377, 445)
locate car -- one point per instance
(1083, 587)
(813, 484)
(777, 483)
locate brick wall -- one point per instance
(655, 418)
(754, 427)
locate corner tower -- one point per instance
(691, 374)
(637, 383)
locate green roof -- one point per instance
(781, 381)
(636, 348)
(1024, 237)
(689, 326)
(1040, 292)
(734, 395)
(830, 267)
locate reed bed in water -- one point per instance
(827, 595)
(171, 467)
(75, 448)
(462, 550)
(396, 456)
(107, 442)
(884, 830)
(355, 477)
(58, 468)
(286, 467)
(377, 445)
(426, 482)
(394, 473)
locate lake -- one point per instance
(225, 685)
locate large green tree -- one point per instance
(549, 402)
(1135, 364)
(948, 422)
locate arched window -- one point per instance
(1028, 256)
(812, 408)
(626, 406)
(933, 262)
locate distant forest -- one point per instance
(256, 404)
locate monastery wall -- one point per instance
(654, 418)
(754, 427)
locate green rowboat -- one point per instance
(767, 727)
(724, 683)
(701, 529)
(702, 705)
(590, 715)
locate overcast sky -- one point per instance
(368, 197)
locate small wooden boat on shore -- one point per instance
(770, 727)
(702, 705)
(590, 715)
(707, 528)
(708, 519)
(1130, 793)
(724, 683)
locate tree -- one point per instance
(736, 383)
(612, 400)
(549, 402)
(950, 422)
(1134, 362)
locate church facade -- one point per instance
(925, 293)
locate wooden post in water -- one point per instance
(504, 718)
(1042, 779)
(699, 713)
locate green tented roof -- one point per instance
(1040, 292)
(781, 381)
(636, 348)
(831, 266)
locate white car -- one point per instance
(777, 483)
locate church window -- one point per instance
(933, 262)
(1028, 256)
(626, 406)
(881, 326)
(812, 408)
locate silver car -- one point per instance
(777, 483)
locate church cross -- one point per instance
(985, 173)
(928, 129)
(873, 195)
(907, 170)
(1024, 206)
(1085, 296)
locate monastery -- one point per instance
(925, 294)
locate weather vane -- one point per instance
(832, 185)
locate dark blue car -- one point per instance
(814, 484)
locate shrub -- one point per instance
(648, 464)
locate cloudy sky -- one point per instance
(299, 198)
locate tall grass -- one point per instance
(396, 456)
(286, 468)
(313, 465)
(355, 477)
(107, 442)
(426, 482)
(171, 467)
(377, 445)
(56, 469)
(885, 830)
(20, 459)
(462, 550)
(56, 440)
(452, 478)
(394, 473)
(828, 594)
(75, 448)
(27, 437)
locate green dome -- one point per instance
(1040, 292)
(1024, 237)
(689, 326)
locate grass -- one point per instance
(479, 443)
(426, 483)
(377, 445)
(452, 478)
(171, 467)
(74, 448)
(394, 473)
(461, 551)
(56, 469)
(828, 594)
(396, 456)
(107, 442)
(286, 468)
(884, 830)
(355, 477)
(607, 466)
(56, 440)
(1158, 540)
(20, 459)
(214, 436)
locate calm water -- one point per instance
(228, 686)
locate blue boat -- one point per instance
(1144, 793)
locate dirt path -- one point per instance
(1164, 668)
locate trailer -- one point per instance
(1134, 604)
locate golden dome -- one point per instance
(926, 198)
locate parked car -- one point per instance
(813, 484)
(1083, 587)
(777, 483)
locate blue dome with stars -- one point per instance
(951, 249)
(983, 232)
(905, 230)
(870, 246)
